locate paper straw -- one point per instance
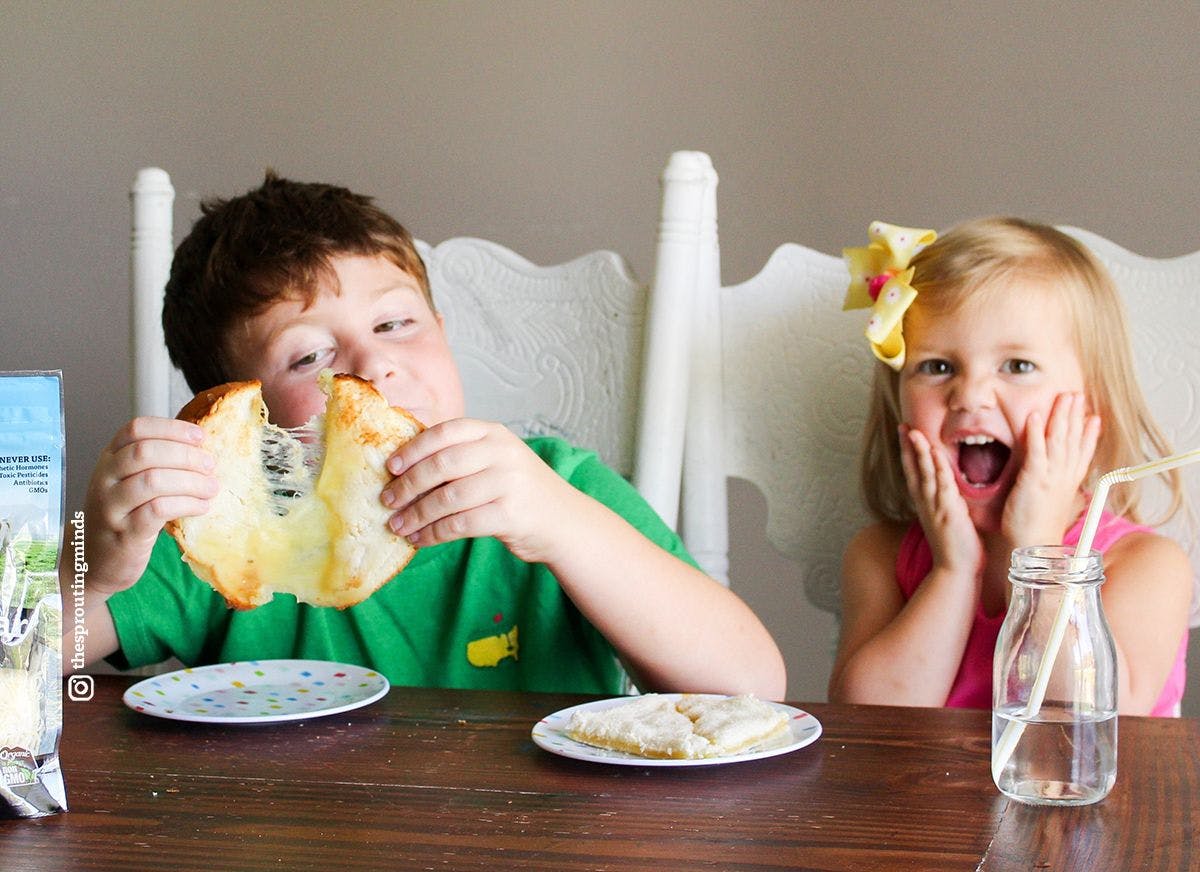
(1014, 729)
(1128, 473)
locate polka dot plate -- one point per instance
(257, 691)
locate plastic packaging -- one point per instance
(31, 523)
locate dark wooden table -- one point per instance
(438, 779)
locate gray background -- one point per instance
(544, 126)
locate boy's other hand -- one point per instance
(154, 470)
(468, 478)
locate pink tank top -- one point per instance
(972, 686)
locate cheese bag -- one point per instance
(31, 521)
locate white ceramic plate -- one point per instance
(257, 691)
(550, 734)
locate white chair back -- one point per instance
(581, 350)
(1161, 296)
(544, 350)
(795, 387)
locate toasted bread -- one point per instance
(298, 512)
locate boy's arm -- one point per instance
(153, 470)
(675, 628)
(97, 631)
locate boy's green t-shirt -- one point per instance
(461, 614)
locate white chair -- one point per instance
(582, 349)
(1161, 296)
(785, 413)
(779, 391)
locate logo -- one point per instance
(491, 650)
(80, 687)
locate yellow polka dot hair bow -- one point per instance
(880, 280)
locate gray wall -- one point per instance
(545, 125)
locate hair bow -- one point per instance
(880, 278)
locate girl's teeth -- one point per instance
(977, 440)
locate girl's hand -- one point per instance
(467, 478)
(942, 511)
(1058, 454)
(154, 470)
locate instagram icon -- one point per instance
(80, 688)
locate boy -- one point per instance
(534, 544)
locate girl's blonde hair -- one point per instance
(973, 258)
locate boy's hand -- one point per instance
(467, 478)
(1058, 455)
(942, 511)
(154, 470)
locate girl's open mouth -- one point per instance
(981, 460)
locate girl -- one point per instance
(1005, 387)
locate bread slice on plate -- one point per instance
(298, 510)
(733, 724)
(687, 726)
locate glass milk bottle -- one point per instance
(1054, 682)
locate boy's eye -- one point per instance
(1019, 367)
(306, 360)
(934, 367)
(389, 326)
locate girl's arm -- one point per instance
(892, 652)
(1146, 595)
(908, 653)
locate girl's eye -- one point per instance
(934, 367)
(389, 326)
(1019, 367)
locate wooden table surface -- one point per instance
(443, 779)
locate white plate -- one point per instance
(550, 734)
(257, 691)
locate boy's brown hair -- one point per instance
(274, 242)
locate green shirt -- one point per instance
(461, 614)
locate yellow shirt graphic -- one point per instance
(490, 650)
